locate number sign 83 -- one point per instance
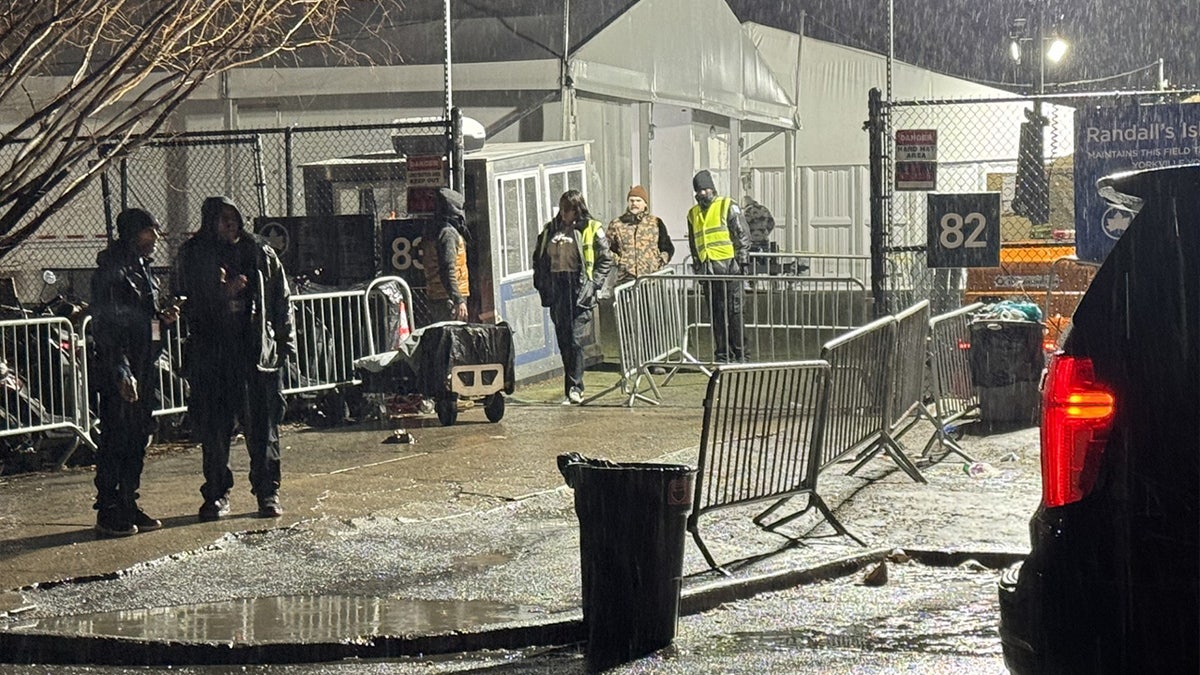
(406, 254)
(952, 230)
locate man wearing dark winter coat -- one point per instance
(128, 330)
(444, 257)
(241, 333)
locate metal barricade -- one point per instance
(784, 318)
(43, 384)
(954, 395)
(857, 416)
(172, 387)
(906, 382)
(649, 321)
(1069, 279)
(330, 333)
(390, 319)
(811, 265)
(761, 440)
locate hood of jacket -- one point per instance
(117, 252)
(450, 211)
(210, 215)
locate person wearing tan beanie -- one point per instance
(639, 240)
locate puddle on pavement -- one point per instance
(287, 619)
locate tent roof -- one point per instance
(483, 30)
(713, 65)
(617, 49)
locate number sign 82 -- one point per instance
(959, 231)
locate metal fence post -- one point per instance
(289, 176)
(260, 176)
(875, 127)
(458, 178)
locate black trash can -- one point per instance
(1006, 368)
(632, 528)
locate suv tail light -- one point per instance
(1077, 414)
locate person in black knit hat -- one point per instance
(720, 247)
(128, 328)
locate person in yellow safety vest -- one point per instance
(720, 246)
(444, 257)
(570, 263)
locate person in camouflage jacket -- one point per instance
(639, 241)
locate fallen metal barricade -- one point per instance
(954, 394)
(906, 382)
(761, 440)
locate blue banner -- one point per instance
(1109, 140)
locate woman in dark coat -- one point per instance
(570, 263)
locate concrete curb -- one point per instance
(34, 648)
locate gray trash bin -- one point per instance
(1006, 368)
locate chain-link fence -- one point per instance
(279, 173)
(1024, 150)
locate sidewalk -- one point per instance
(463, 540)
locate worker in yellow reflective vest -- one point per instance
(720, 246)
(570, 263)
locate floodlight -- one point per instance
(1057, 49)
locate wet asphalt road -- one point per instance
(925, 620)
(471, 526)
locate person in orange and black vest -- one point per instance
(720, 246)
(444, 257)
(570, 263)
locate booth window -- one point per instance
(521, 220)
(559, 180)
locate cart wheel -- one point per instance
(493, 407)
(447, 411)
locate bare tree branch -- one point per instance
(92, 73)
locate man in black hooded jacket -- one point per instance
(241, 333)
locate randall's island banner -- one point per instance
(1126, 138)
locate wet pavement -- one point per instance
(466, 540)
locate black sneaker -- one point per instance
(112, 523)
(268, 507)
(143, 522)
(214, 510)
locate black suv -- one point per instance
(1111, 583)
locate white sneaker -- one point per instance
(575, 396)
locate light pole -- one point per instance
(1048, 46)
